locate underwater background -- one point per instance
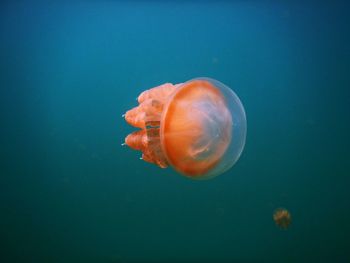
(69, 192)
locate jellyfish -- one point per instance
(197, 127)
(282, 218)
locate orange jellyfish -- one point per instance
(197, 127)
(282, 218)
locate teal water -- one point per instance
(71, 193)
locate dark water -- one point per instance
(70, 192)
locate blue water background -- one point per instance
(70, 193)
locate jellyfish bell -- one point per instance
(197, 127)
(282, 218)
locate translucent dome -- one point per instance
(203, 128)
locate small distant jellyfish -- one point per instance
(282, 218)
(197, 127)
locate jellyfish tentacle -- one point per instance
(147, 113)
(137, 140)
(160, 93)
(147, 116)
(148, 142)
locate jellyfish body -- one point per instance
(282, 218)
(197, 127)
